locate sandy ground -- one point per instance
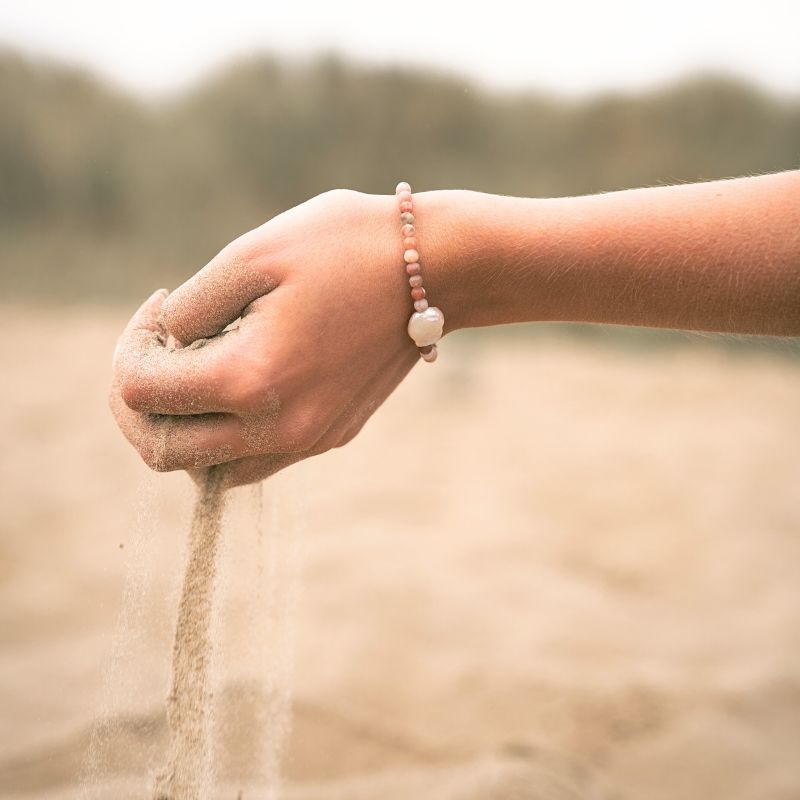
(595, 596)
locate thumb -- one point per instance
(216, 295)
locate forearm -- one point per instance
(717, 256)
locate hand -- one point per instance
(322, 304)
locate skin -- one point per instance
(322, 301)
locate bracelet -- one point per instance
(427, 322)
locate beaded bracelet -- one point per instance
(427, 322)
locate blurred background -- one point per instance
(597, 596)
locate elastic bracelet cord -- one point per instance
(427, 322)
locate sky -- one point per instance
(564, 46)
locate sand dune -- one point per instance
(596, 597)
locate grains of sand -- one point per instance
(187, 774)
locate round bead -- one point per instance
(410, 256)
(430, 355)
(406, 205)
(413, 268)
(426, 327)
(407, 217)
(403, 195)
(418, 293)
(421, 304)
(414, 281)
(402, 187)
(409, 243)
(407, 230)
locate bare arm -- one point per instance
(322, 297)
(716, 256)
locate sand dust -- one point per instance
(188, 772)
(241, 719)
(118, 681)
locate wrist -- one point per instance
(481, 252)
(452, 238)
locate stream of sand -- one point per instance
(187, 774)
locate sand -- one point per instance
(188, 774)
(595, 595)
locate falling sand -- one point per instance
(187, 774)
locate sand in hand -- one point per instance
(187, 774)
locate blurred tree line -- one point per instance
(105, 197)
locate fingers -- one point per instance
(223, 374)
(218, 293)
(258, 467)
(161, 398)
(180, 442)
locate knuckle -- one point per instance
(340, 197)
(133, 392)
(305, 429)
(305, 437)
(243, 250)
(241, 257)
(348, 436)
(357, 424)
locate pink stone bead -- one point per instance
(407, 218)
(418, 293)
(409, 243)
(410, 256)
(403, 195)
(426, 349)
(406, 206)
(430, 356)
(402, 187)
(420, 305)
(413, 268)
(415, 281)
(407, 230)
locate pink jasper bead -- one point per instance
(406, 206)
(403, 195)
(415, 281)
(409, 242)
(418, 293)
(430, 356)
(407, 217)
(413, 268)
(410, 256)
(420, 305)
(407, 230)
(402, 187)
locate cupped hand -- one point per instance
(319, 302)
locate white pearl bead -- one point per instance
(420, 305)
(426, 327)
